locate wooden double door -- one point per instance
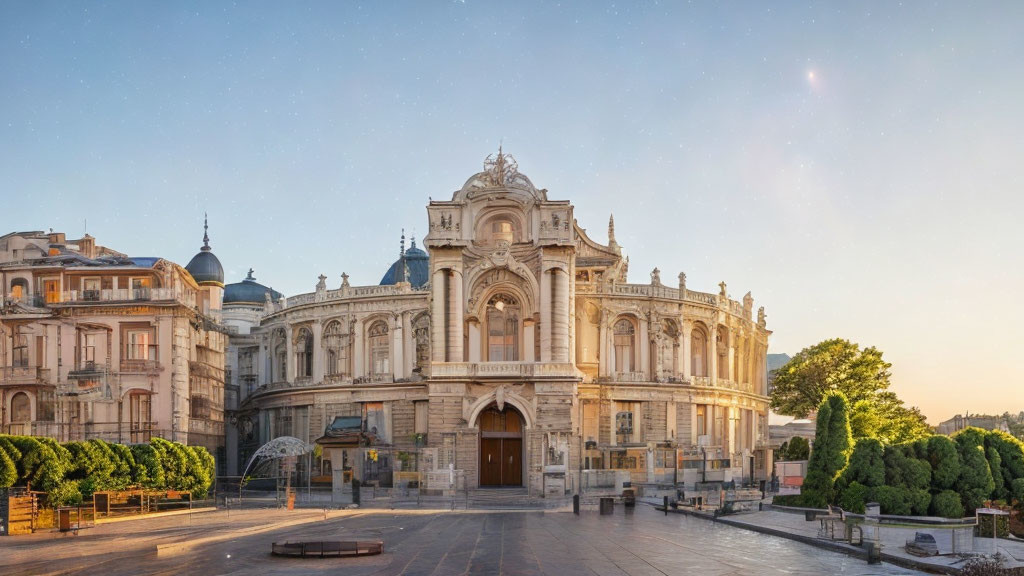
(501, 448)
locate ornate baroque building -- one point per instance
(516, 354)
(96, 344)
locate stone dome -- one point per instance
(412, 266)
(204, 267)
(249, 291)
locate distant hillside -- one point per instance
(776, 361)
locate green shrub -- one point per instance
(975, 483)
(853, 497)
(832, 443)
(1017, 490)
(64, 494)
(866, 466)
(8, 471)
(149, 471)
(798, 449)
(919, 499)
(947, 505)
(1011, 456)
(944, 458)
(893, 499)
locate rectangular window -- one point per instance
(88, 350)
(702, 425)
(139, 345)
(51, 288)
(624, 423)
(591, 421)
(90, 289)
(375, 421)
(141, 417)
(20, 350)
(421, 416)
(140, 288)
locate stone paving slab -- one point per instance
(638, 542)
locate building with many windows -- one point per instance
(96, 344)
(516, 354)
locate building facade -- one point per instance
(516, 354)
(96, 344)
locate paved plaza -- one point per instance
(641, 542)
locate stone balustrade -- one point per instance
(652, 291)
(354, 292)
(502, 370)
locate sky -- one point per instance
(856, 166)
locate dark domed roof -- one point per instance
(249, 291)
(204, 267)
(412, 266)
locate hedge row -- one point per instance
(72, 471)
(938, 475)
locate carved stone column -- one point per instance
(455, 307)
(713, 360)
(685, 344)
(560, 317)
(318, 352)
(545, 316)
(602, 344)
(644, 343)
(437, 320)
(289, 357)
(408, 344)
(358, 369)
(732, 356)
(397, 349)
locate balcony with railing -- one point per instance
(119, 295)
(24, 376)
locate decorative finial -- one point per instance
(206, 236)
(250, 276)
(401, 244)
(722, 292)
(611, 230)
(413, 246)
(344, 280)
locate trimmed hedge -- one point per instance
(72, 472)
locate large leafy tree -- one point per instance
(862, 376)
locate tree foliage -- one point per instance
(947, 505)
(862, 376)
(798, 448)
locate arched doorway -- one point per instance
(501, 447)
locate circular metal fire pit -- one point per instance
(328, 549)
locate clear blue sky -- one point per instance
(856, 166)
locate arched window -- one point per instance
(380, 356)
(503, 317)
(304, 354)
(625, 345)
(336, 344)
(21, 408)
(698, 353)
